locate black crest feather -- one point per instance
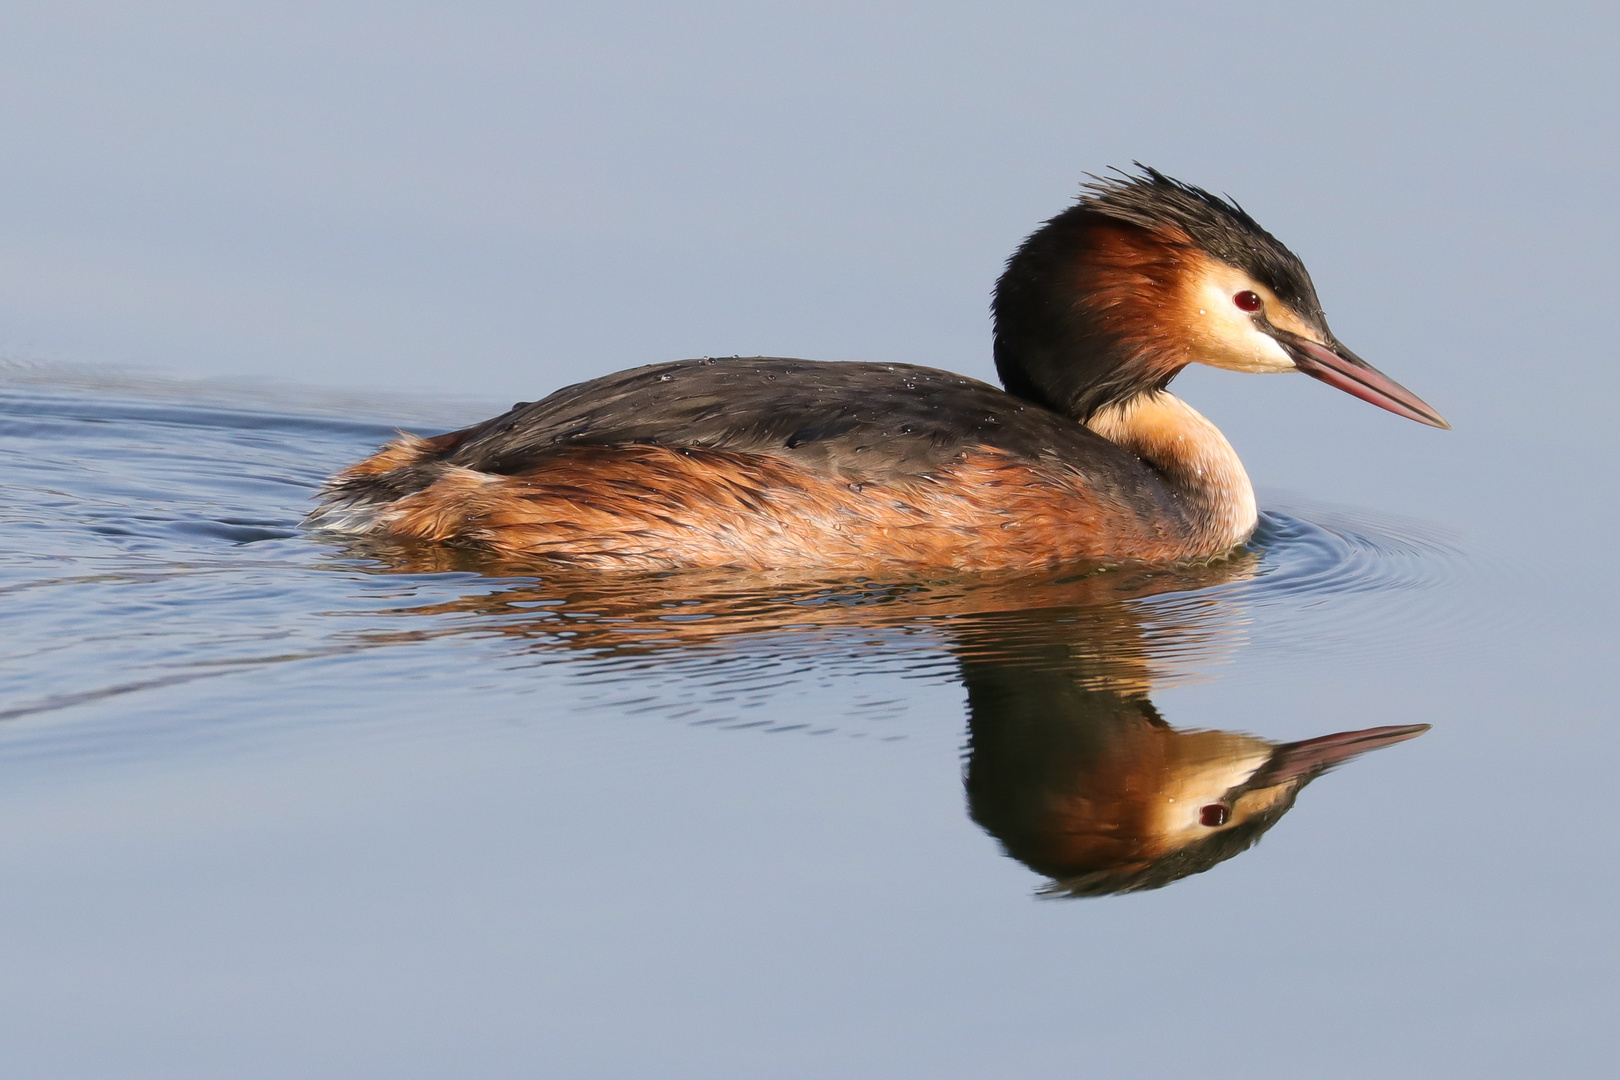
(1220, 226)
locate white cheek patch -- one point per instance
(1181, 811)
(1227, 336)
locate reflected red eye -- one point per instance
(1248, 301)
(1214, 814)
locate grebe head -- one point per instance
(1144, 275)
(1168, 803)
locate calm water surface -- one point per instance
(276, 804)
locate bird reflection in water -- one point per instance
(1081, 780)
(1070, 766)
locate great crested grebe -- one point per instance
(765, 462)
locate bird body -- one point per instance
(777, 463)
(773, 462)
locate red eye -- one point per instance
(1248, 301)
(1214, 814)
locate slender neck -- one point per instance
(1193, 456)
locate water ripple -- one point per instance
(151, 548)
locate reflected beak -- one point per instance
(1338, 366)
(1303, 760)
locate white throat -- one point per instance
(1193, 455)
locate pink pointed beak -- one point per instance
(1338, 366)
(1302, 760)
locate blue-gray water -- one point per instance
(272, 805)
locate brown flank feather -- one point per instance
(653, 507)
